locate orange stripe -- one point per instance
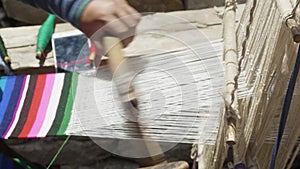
(35, 104)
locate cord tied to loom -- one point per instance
(194, 155)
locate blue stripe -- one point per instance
(7, 92)
(12, 105)
(3, 80)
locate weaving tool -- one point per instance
(44, 37)
(121, 73)
(5, 59)
(121, 77)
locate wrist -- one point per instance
(78, 15)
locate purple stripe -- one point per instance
(17, 106)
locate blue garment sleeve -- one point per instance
(68, 10)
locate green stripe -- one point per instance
(69, 106)
(62, 105)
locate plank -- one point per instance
(20, 42)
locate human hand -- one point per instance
(114, 17)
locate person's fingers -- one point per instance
(110, 18)
(129, 17)
(135, 14)
(116, 27)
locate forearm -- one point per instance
(68, 10)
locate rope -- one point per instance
(73, 63)
(243, 54)
(194, 155)
(286, 108)
(59, 151)
(295, 8)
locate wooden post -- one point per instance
(231, 75)
(231, 69)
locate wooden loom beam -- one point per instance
(231, 71)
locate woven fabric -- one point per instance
(36, 105)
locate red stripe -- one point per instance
(32, 114)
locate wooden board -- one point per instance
(21, 41)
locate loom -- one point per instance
(31, 113)
(184, 116)
(25, 97)
(265, 39)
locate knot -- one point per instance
(232, 112)
(194, 151)
(286, 17)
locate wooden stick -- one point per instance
(119, 68)
(122, 75)
(231, 59)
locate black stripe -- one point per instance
(62, 105)
(26, 106)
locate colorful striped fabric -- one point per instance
(36, 105)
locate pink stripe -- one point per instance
(41, 114)
(17, 106)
